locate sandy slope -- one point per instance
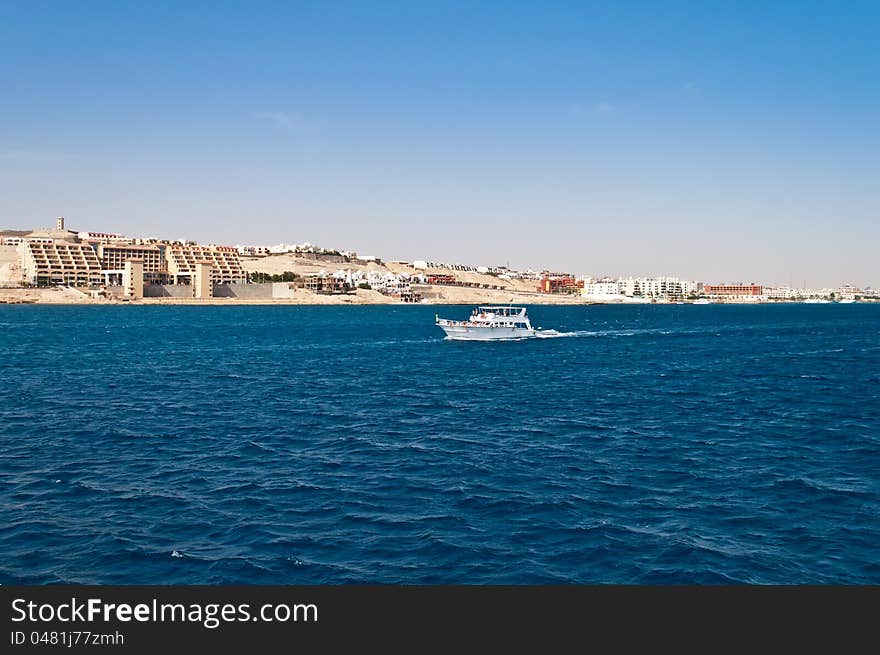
(53, 295)
(516, 291)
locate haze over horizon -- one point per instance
(700, 140)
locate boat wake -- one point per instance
(555, 334)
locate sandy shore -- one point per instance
(438, 295)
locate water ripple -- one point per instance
(307, 445)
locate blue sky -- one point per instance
(717, 141)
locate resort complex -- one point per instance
(102, 266)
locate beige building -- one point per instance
(58, 233)
(133, 278)
(225, 263)
(104, 237)
(203, 287)
(72, 264)
(114, 256)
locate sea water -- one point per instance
(337, 444)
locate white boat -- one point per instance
(816, 301)
(703, 301)
(489, 323)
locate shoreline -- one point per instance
(70, 298)
(433, 295)
(458, 287)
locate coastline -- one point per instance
(439, 296)
(460, 287)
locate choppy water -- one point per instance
(658, 444)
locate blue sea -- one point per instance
(302, 445)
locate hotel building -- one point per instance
(113, 258)
(733, 290)
(667, 288)
(73, 264)
(225, 264)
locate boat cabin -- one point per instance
(499, 311)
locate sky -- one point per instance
(715, 141)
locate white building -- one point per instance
(104, 237)
(252, 251)
(666, 288)
(783, 293)
(848, 292)
(652, 288)
(604, 290)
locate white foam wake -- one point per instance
(555, 334)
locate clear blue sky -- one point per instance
(712, 140)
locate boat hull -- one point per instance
(485, 333)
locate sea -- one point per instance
(649, 444)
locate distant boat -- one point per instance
(816, 301)
(489, 323)
(846, 301)
(703, 301)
